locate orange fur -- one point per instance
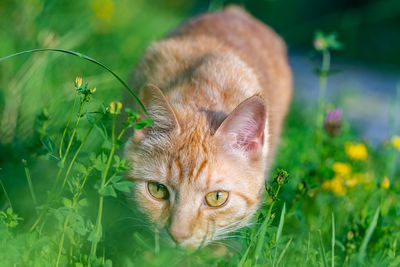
(226, 87)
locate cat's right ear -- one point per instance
(243, 129)
(159, 110)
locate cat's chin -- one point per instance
(191, 244)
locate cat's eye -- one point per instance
(216, 198)
(157, 190)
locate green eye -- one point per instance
(216, 198)
(157, 190)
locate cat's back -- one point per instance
(230, 32)
(253, 41)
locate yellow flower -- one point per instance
(78, 82)
(356, 151)
(385, 183)
(335, 185)
(341, 169)
(396, 142)
(115, 107)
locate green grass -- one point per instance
(62, 196)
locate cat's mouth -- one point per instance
(192, 243)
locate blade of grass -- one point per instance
(308, 246)
(279, 232)
(284, 251)
(333, 240)
(5, 193)
(321, 247)
(86, 58)
(260, 235)
(281, 222)
(368, 235)
(261, 238)
(28, 178)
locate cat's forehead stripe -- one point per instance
(204, 146)
(168, 174)
(179, 166)
(202, 165)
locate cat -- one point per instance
(218, 88)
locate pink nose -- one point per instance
(178, 235)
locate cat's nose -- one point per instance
(178, 235)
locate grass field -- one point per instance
(62, 197)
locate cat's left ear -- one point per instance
(243, 129)
(159, 110)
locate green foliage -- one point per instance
(83, 218)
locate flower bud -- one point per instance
(333, 122)
(385, 183)
(320, 44)
(78, 82)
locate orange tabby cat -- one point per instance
(218, 89)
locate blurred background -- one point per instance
(116, 32)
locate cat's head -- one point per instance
(197, 176)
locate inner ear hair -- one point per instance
(243, 129)
(159, 109)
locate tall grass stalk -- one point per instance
(263, 228)
(5, 193)
(323, 79)
(260, 235)
(333, 240)
(392, 155)
(29, 180)
(279, 232)
(368, 235)
(67, 125)
(101, 197)
(308, 246)
(66, 221)
(284, 251)
(322, 250)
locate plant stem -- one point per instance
(273, 201)
(66, 126)
(75, 201)
(101, 198)
(5, 193)
(77, 153)
(28, 178)
(326, 61)
(111, 177)
(63, 159)
(86, 58)
(61, 244)
(333, 241)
